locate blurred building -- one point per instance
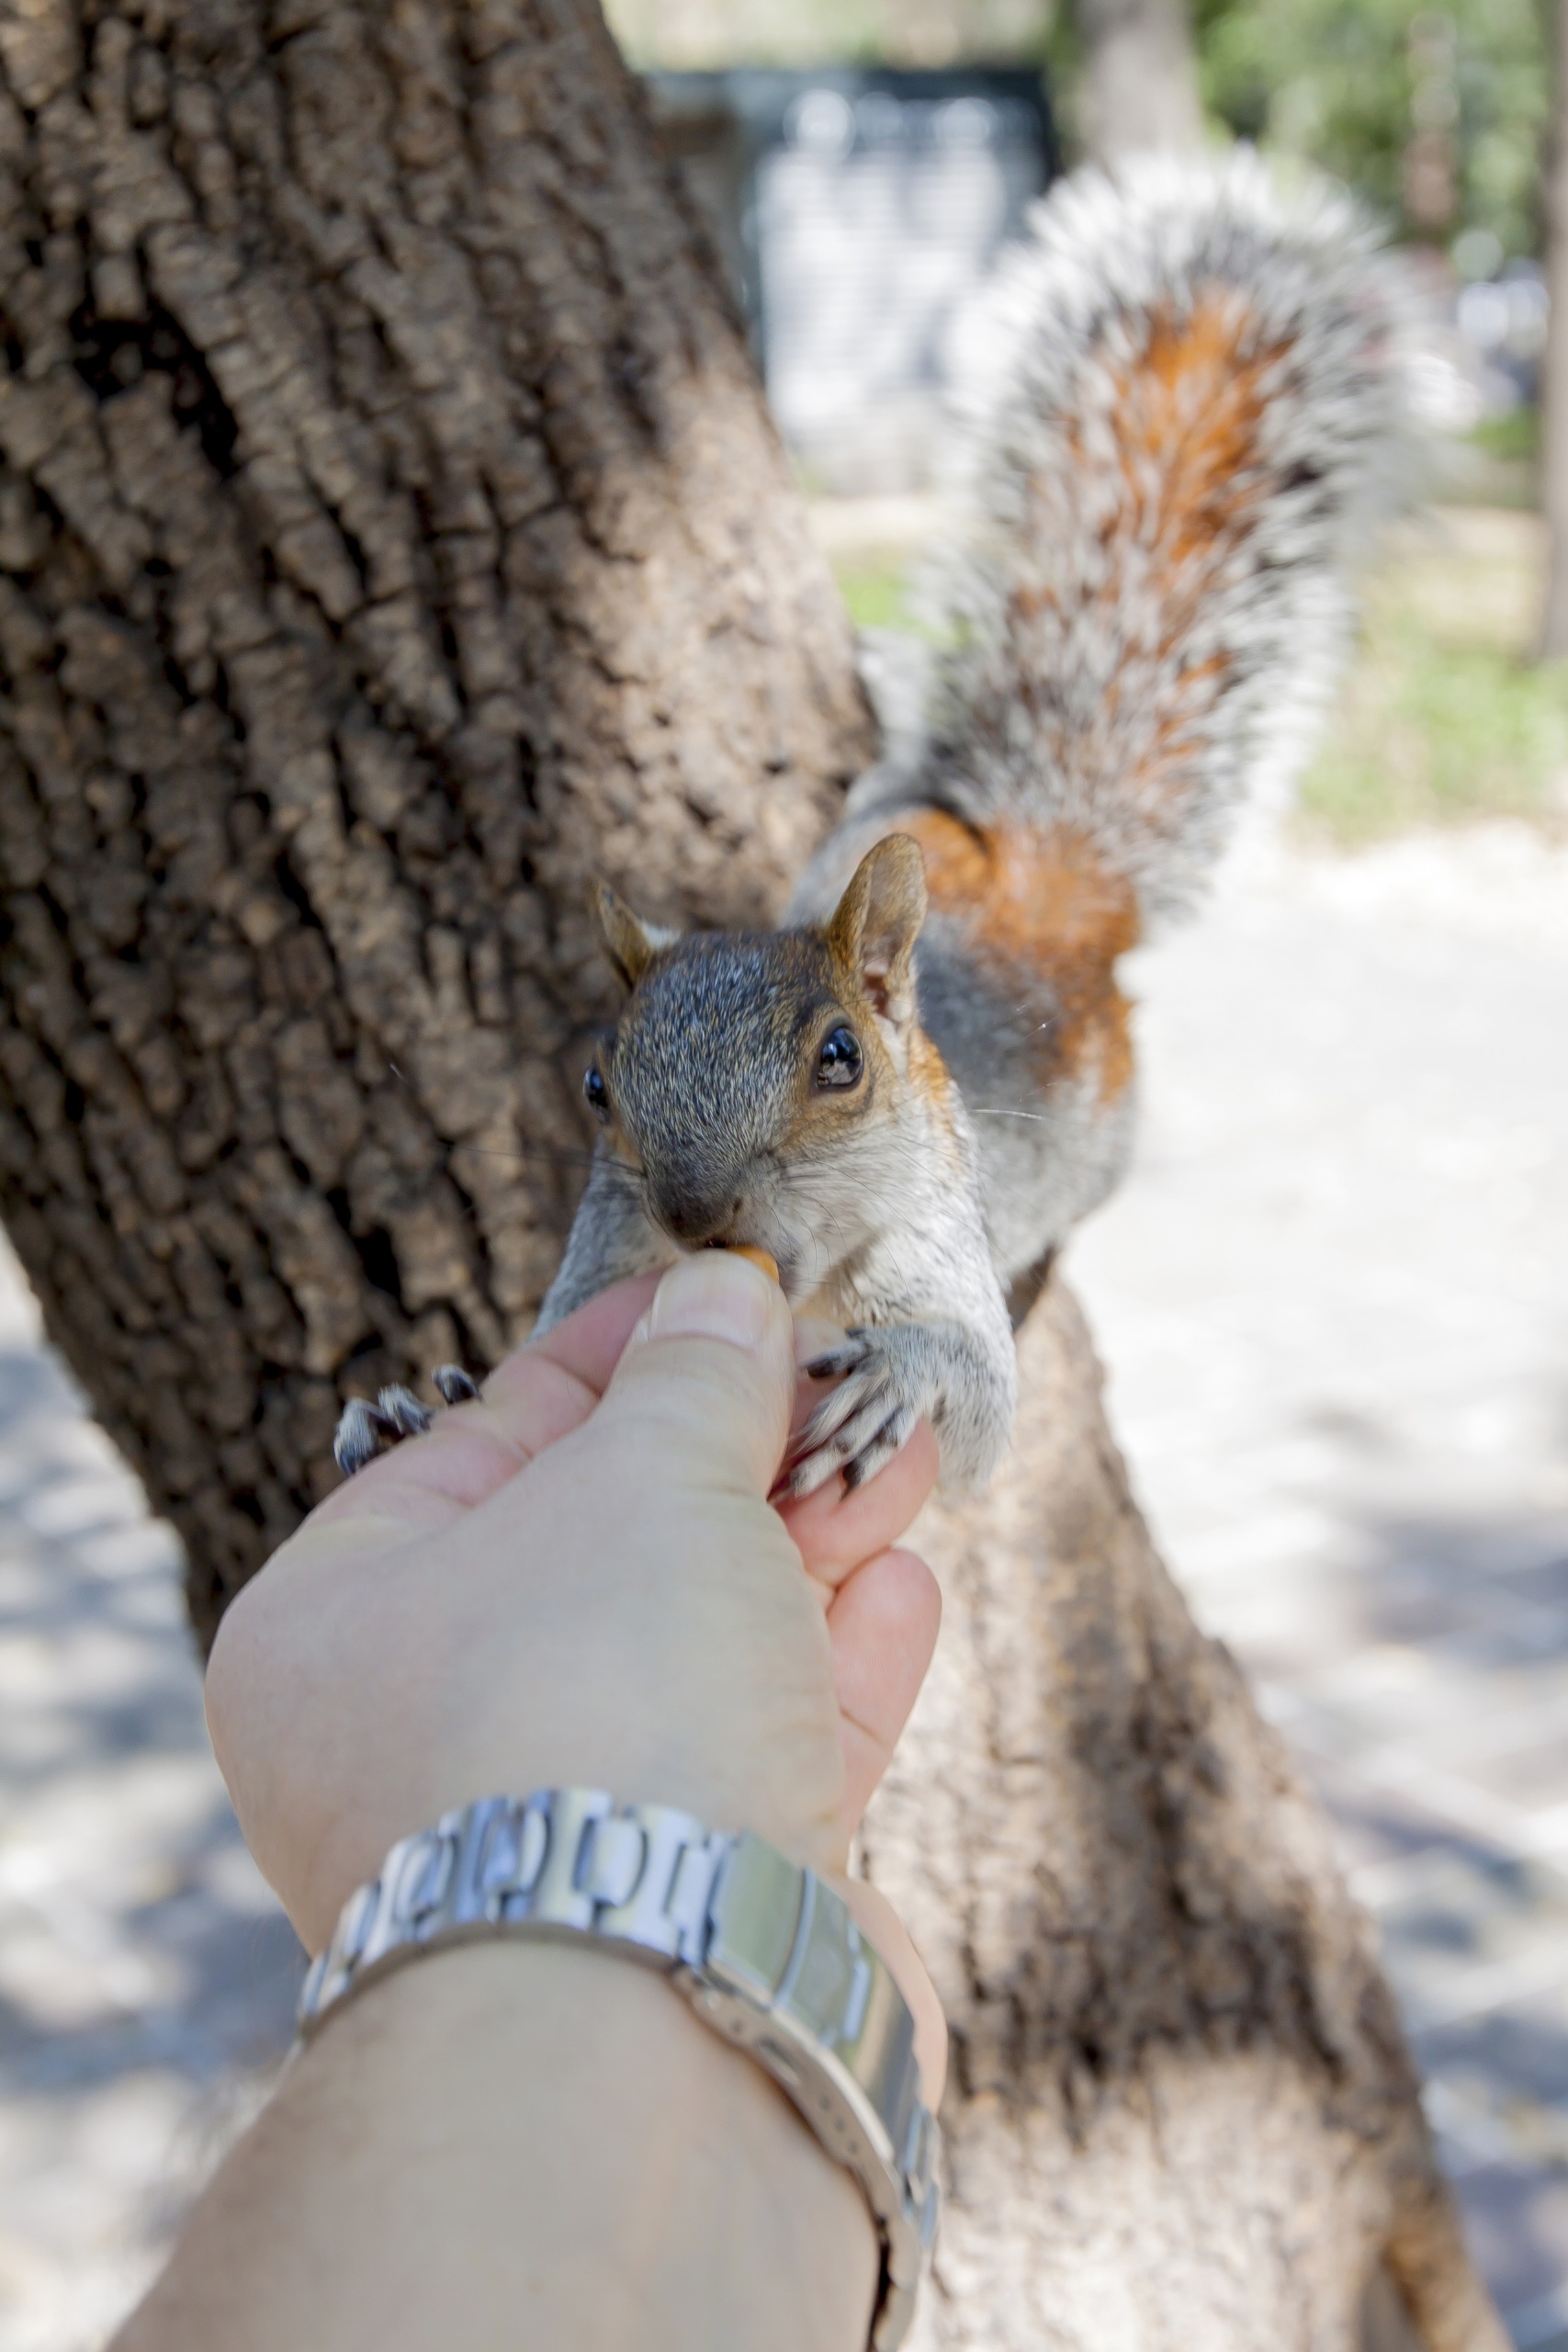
(860, 214)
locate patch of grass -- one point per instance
(1515, 436)
(876, 594)
(1433, 733)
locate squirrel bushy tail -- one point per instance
(1197, 410)
(1204, 409)
(1201, 410)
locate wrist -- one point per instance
(768, 1954)
(558, 2152)
(676, 2194)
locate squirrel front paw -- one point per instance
(964, 1379)
(867, 1419)
(364, 1430)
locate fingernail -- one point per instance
(714, 1297)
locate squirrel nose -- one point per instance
(693, 1218)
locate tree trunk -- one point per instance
(1554, 374)
(1182, 2116)
(1138, 87)
(390, 529)
(390, 532)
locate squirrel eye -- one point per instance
(838, 1063)
(596, 1093)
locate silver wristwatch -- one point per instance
(762, 1948)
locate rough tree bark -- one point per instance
(1138, 87)
(390, 531)
(1183, 2117)
(388, 528)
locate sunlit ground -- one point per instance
(1332, 1297)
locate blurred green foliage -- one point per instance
(678, 34)
(1344, 83)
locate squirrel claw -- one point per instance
(890, 1439)
(366, 1429)
(851, 1352)
(857, 1458)
(811, 1471)
(861, 1425)
(403, 1408)
(359, 1435)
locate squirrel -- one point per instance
(911, 1093)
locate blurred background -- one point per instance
(1333, 1297)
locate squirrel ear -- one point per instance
(877, 923)
(630, 944)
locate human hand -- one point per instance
(579, 1579)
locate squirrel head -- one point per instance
(754, 1081)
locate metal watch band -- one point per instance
(764, 1951)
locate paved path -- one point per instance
(146, 1976)
(1333, 1299)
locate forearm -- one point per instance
(521, 2144)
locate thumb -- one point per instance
(709, 1370)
